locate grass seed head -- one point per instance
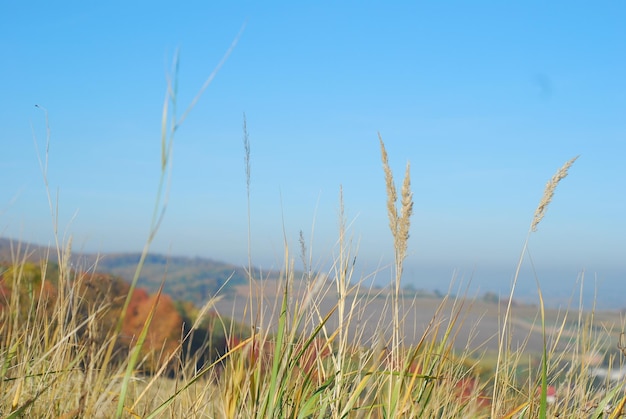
(549, 193)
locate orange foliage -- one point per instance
(256, 351)
(48, 294)
(31, 287)
(5, 295)
(165, 329)
(467, 389)
(95, 290)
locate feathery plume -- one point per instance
(549, 193)
(392, 195)
(399, 224)
(406, 211)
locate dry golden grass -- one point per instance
(314, 355)
(400, 225)
(549, 193)
(505, 357)
(360, 371)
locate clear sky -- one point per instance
(485, 99)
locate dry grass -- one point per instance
(504, 354)
(321, 353)
(328, 347)
(548, 193)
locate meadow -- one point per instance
(306, 345)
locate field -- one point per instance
(302, 359)
(313, 345)
(477, 327)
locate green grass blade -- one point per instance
(136, 351)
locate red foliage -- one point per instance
(253, 350)
(550, 394)
(94, 290)
(317, 350)
(32, 289)
(133, 312)
(5, 294)
(165, 328)
(467, 389)
(256, 351)
(48, 294)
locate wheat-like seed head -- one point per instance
(549, 193)
(399, 225)
(392, 195)
(406, 211)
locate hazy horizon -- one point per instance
(561, 287)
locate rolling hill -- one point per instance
(187, 279)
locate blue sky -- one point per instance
(486, 100)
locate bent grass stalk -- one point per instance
(157, 217)
(65, 314)
(167, 141)
(548, 194)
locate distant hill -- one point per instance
(187, 279)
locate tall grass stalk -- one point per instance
(63, 247)
(498, 390)
(400, 226)
(168, 131)
(61, 334)
(246, 146)
(167, 141)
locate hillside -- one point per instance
(187, 279)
